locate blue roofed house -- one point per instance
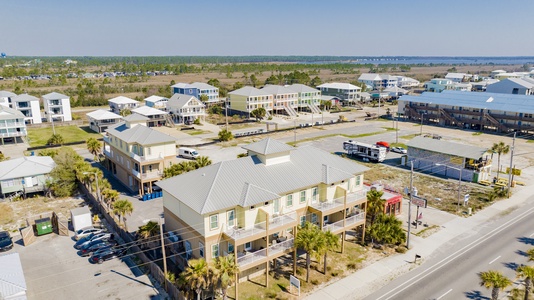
(25, 175)
(250, 207)
(197, 89)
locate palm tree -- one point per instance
(94, 147)
(146, 232)
(110, 196)
(310, 239)
(375, 204)
(495, 281)
(194, 277)
(125, 112)
(226, 268)
(55, 139)
(203, 161)
(122, 208)
(500, 148)
(526, 272)
(530, 254)
(331, 243)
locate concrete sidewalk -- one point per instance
(371, 278)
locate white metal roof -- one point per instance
(501, 102)
(154, 99)
(369, 76)
(122, 100)
(24, 98)
(80, 211)
(148, 111)
(302, 88)
(227, 184)
(7, 113)
(26, 166)
(277, 89)
(55, 96)
(339, 85)
(7, 94)
(12, 281)
(135, 117)
(446, 147)
(249, 91)
(180, 100)
(268, 146)
(102, 114)
(139, 134)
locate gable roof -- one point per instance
(135, 117)
(268, 146)
(122, 100)
(249, 91)
(55, 96)
(26, 166)
(236, 182)
(7, 94)
(340, 86)
(277, 89)
(180, 100)
(489, 101)
(139, 134)
(446, 147)
(102, 114)
(522, 82)
(302, 88)
(24, 98)
(12, 281)
(8, 113)
(369, 76)
(155, 98)
(148, 111)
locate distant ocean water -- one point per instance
(437, 60)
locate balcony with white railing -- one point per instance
(283, 221)
(253, 257)
(12, 134)
(350, 221)
(247, 232)
(144, 158)
(334, 227)
(329, 205)
(360, 195)
(281, 247)
(355, 218)
(12, 124)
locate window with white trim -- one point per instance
(215, 250)
(214, 222)
(302, 196)
(302, 220)
(289, 200)
(315, 192)
(248, 246)
(231, 217)
(201, 249)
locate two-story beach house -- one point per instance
(137, 154)
(247, 99)
(29, 107)
(156, 117)
(284, 99)
(197, 89)
(57, 107)
(100, 120)
(185, 109)
(5, 98)
(157, 102)
(251, 207)
(12, 125)
(120, 103)
(346, 92)
(25, 175)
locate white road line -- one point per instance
(443, 294)
(531, 235)
(494, 260)
(408, 283)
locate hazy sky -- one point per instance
(271, 27)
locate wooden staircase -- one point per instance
(494, 121)
(168, 121)
(451, 118)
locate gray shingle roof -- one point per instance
(139, 134)
(491, 101)
(268, 146)
(26, 166)
(55, 96)
(450, 148)
(180, 100)
(234, 183)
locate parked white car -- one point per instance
(399, 150)
(86, 231)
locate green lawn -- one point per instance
(39, 136)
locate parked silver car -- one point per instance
(87, 231)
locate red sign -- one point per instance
(419, 202)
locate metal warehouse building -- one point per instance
(470, 110)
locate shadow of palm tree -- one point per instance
(476, 295)
(522, 253)
(511, 265)
(526, 240)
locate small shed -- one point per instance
(81, 218)
(12, 281)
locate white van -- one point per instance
(187, 153)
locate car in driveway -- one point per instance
(102, 255)
(100, 245)
(86, 231)
(399, 150)
(6, 242)
(104, 236)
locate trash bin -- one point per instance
(43, 226)
(469, 210)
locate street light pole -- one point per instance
(163, 253)
(511, 164)
(410, 206)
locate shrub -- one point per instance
(315, 281)
(300, 271)
(351, 266)
(270, 294)
(335, 273)
(197, 121)
(401, 249)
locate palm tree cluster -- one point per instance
(316, 243)
(500, 148)
(186, 166)
(200, 276)
(497, 282)
(382, 228)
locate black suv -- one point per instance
(5, 241)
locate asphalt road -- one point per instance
(452, 273)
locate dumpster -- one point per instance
(43, 226)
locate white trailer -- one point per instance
(81, 218)
(365, 151)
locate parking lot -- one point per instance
(54, 270)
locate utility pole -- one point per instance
(226, 112)
(511, 164)
(163, 253)
(410, 207)
(397, 130)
